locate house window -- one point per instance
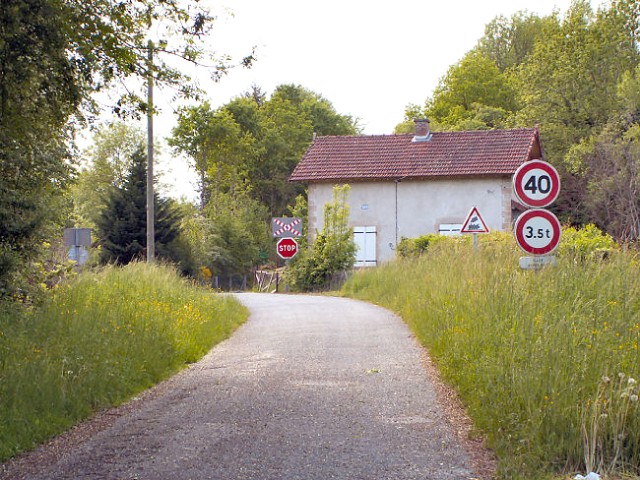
(365, 240)
(450, 229)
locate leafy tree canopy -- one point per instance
(473, 94)
(254, 143)
(109, 40)
(38, 93)
(108, 163)
(54, 54)
(575, 75)
(569, 83)
(509, 41)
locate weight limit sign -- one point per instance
(538, 232)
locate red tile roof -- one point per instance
(447, 154)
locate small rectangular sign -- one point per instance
(77, 237)
(286, 227)
(536, 263)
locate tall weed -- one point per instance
(96, 342)
(526, 350)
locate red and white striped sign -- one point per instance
(285, 227)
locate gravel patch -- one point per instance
(310, 387)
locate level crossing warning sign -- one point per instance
(474, 223)
(286, 227)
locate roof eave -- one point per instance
(395, 178)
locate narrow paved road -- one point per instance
(309, 388)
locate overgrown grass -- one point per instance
(96, 342)
(545, 361)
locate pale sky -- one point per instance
(369, 59)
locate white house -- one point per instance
(411, 185)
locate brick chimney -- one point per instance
(423, 133)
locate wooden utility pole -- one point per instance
(151, 237)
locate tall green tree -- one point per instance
(122, 224)
(191, 137)
(283, 129)
(255, 142)
(569, 83)
(230, 236)
(474, 94)
(569, 86)
(608, 165)
(217, 147)
(613, 175)
(109, 40)
(508, 42)
(38, 92)
(106, 165)
(240, 237)
(574, 74)
(54, 54)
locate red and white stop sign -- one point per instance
(538, 232)
(287, 248)
(536, 183)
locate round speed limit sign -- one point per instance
(536, 183)
(538, 232)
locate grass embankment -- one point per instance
(96, 342)
(545, 362)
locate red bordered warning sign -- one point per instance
(287, 248)
(474, 223)
(536, 183)
(538, 231)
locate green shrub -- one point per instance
(414, 247)
(331, 253)
(588, 242)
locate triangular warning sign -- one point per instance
(474, 223)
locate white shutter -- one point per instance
(365, 240)
(450, 229)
